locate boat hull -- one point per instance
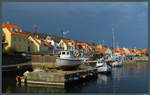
(104, 70)
(68, 64)
(116, 64)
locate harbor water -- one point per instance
(131, 78)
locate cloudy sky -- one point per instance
(86, 21)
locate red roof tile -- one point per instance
(48, 44)
(9, 26)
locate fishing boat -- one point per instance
(117, 61)
(67, 61)
(102, 66)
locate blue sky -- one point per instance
(86, 21)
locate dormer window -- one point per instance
(16, 30)
(11, 29)
(20, 30)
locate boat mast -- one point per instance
(113, 39)
(103, 43)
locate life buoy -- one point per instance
(76, 53)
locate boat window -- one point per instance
(63, 53)
(67, 53)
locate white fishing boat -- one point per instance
(102, 66)
(66, 60)
(117, 60)
(117, 63)
(116, 57)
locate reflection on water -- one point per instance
(103, 79)
(127, 79)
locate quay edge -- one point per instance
(60, 78)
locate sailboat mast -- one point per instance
(113, 37)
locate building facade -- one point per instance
(14, 37)
(66, 45)
(36, 45)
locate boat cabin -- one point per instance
(66, 54)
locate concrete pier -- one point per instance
(59, 77)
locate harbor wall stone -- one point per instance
(43, 60)
(46, 77)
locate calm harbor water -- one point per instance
(126, 79)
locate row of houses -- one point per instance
(125, 51)
(15, 37)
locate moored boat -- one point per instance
(102, 67)
(67, 61)
(117, 60)
(117, 63)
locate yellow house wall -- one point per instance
(34, 46)
(15, 43)
(20, 45)
(99, 46)
(7, 37)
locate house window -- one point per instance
(14, 38)
(16, 30)
(20, 30)
(24, 39)
(12, 29)
(24, 47)
(19, 47)
(20, 39)
(14, 46)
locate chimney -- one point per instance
(37, 36)
(8, 22)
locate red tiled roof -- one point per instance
(67, 42)
(2, 32)
(9, 26)
(82, 44)
(101, 50)
(48, 44)
(145, 50)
